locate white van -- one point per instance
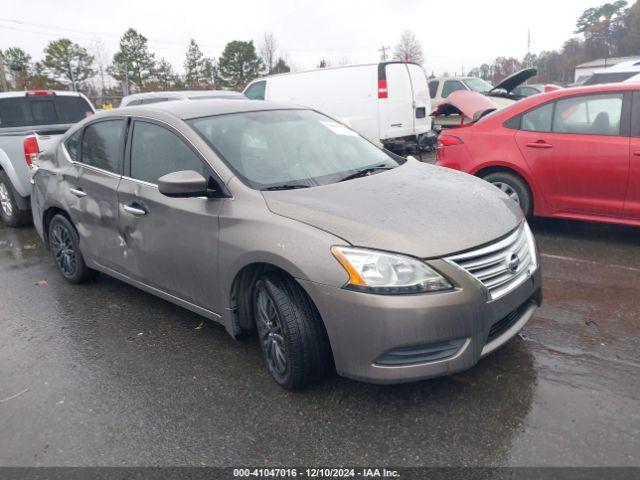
(388, 102)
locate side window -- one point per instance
(538, 119)
(256, 91)
(589, 114)
(156, 151)
(433, 88)
(102, 145)
(451, 86)
(72, 145)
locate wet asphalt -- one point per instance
(105, 374)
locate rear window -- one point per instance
(609, 77)
(42, 110)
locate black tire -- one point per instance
(517, 185)
(64, 244)
(10, 212)
(303, 341)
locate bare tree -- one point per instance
(344, 60)
(268, 48)
(409, 48)
(102, 60)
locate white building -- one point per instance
(585, 70)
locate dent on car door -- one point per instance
(632, 201)
(168, 243)
(578, 151)
(90, 188)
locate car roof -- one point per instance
(182, 94)
(186, 109)
(24, 93)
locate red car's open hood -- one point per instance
(471, 105)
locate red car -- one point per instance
(571, 153)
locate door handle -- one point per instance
(138, 212)
(78, 192)
(539, 144)
(636, 153)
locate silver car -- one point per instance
(278, 218)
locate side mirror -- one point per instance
(186, 183)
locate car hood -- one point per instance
(416, 209)
(472, 105)
(513, 80)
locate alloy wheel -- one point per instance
(270, 331)
(509, 190)
(63, 250)
(5, 200)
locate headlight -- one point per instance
(532, 246)
(379, 272)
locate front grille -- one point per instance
(503, 265)
(420, 353)
(505, 323)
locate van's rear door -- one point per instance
(421, 99)
(396, 103)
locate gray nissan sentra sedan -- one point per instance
(278, 218)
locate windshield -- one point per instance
(42, 110)
(289, 148)
(478, 85)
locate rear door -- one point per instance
(396, 102)
(421, 99)
(578, 150)
(169, 243)
(92, 182)
(632, 201)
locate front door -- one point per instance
(92, 183)
(632, 202)
(578, 151)
(169, 243)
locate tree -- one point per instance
(68, 62)
(18, 63)
(323, 63)
(210, 72)
(101, 56)
(629, 39)
(409, 48)
(238, 64)
(281, 66)
(194, 65)
(133, 62)
(268, 49)
(164, 75)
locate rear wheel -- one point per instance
(64, 243)
(294, 344)
(514, 187)
(10, 212)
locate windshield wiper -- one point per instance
(365, 171)
(285, 187)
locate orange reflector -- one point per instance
(354, 276)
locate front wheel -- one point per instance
(64, 244)
(294, 343)
(514, 187)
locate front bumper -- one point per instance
(362, 327)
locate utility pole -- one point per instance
(3, 78)
(383, 52)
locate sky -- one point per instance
(455, 34)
